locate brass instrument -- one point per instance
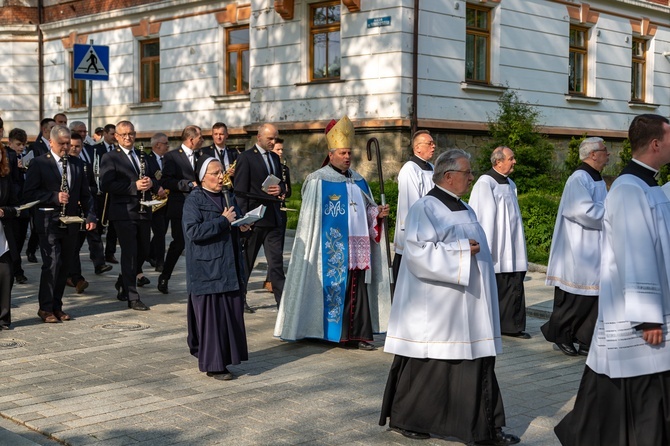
(227, 181)
(163, 201)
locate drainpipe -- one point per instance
(40, 57)
(415, 68)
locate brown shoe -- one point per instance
(69, 282)
(268, 286)
(47, 317)
(63, 316)
(81, 286)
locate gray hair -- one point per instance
(75, 124)
(498, 154)
(589, 145)
(448, 161)
(59, 131)
(156, 137)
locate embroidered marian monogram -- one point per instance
(334, 209)
(336, 271)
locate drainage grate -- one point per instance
(11, 343)
(125, 326)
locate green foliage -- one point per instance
(294, 203)
(538, 211)
(515, 126)
(572, 161)
(625, 155)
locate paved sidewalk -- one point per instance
(114, 376)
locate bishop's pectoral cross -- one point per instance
(353, 204)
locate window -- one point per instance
(324, 49)
(577, 62)
(237, 60)
(150, 70)
(638, 73)
(477, 38)
(77, 88)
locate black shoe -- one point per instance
(103, 269)
(520, 335)
(248, 309)
(362, 345)
(119, 290)
(20, 278)
(111, 259)
(583, 350)
(501, 439)
(411, 434)
(567, 349)
(162, 285)
(31, 257)
(221, 376)
(137, 305)
(143, 281)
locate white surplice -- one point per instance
(634, 285)
(574, 259)
(413, 183)
(445, 304)
(498, 212)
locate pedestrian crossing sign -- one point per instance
(91, 62)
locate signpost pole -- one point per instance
(90, 103)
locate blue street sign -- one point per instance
(91, 62)
(379, 21)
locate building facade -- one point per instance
(391, 65)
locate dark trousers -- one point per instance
(272, 240)
(159, 225)
(33, 240)
(57, 247)
(134, 241)
(20, 232)
(175, 249)
(110, 241)
(95, 250)
(6, 283)
(110, 246)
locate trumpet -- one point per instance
(227, 181)
(163, 201)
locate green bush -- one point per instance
(539, 212)
(572, 161)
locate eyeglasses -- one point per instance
(599, 150)
(126, 135)
(467, 172)
(215, 174)
(430, 143)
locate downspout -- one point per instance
(40, 57)
(415, 68)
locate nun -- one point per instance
(215, 274)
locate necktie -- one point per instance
(132, 160)
(160, 162)
(269, 163)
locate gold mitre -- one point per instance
(341, 135)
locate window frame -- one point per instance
(479, 32)
(154, 69)
(584, 51)
(77, 86)
(323, 29)
(639, 61)
(238, 49)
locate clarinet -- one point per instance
(64, 188)
(96, 171)
(143, 169)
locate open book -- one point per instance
(271, 180)
(251, 217)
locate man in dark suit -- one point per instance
(59, 183)
(159, 219)
(179, 177)
(220, 150)
(252, 168)
(122, 179)
(107, 144)
(41, 144)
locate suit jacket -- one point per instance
(250, 172)
(232, 153)
(153, 168)
(100, 148)
(117, 178)
(8, 203)
(39, 147)
(177, 174)
(43, 183)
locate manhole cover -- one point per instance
(125, 326)
(11, 343)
